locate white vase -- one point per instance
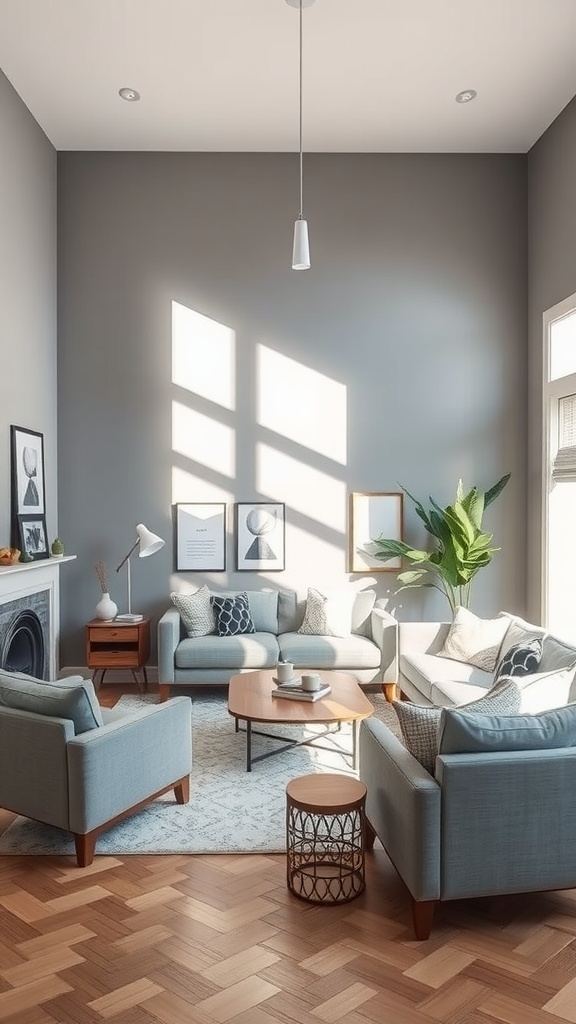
(106, 608)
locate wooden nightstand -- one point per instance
(118, 645)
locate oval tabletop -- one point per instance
(250, 698)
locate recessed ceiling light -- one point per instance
(466, 96)
(129, 94)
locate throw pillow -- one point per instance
(419, 725)
(328, 614)
(473, 640)
(520, 660)
(196, 612)
(76, 701)
(461, 733)
(233, 615)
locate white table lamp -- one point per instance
(148, 543)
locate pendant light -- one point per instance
(301, 247)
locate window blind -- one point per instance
(564, 465)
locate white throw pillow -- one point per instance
(542, 691)
(196, 612)
(329, 613)
(475, 641)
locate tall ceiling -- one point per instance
(222, 75)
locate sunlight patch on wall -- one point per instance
(324, 562)
(301, 404)
(202, 439)
(191, 487)
(203, 356)
(307, 490)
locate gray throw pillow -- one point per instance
(196, 612)
(61, 699)
(462, 733)
(420, 725)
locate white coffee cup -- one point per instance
(284, 671)
(311, 682)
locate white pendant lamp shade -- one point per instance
(150, 542)
(301, 249)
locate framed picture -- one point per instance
(260, 536)
(32, 536)
(27, 449)
(373, 515)
(201, 537)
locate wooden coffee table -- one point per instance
(250, 700)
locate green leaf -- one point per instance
(494, 491)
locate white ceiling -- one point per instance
(222, 75)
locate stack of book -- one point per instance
(293, 691)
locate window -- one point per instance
(559, 547)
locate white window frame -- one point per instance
(552, 391)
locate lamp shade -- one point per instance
(150, 543)
(301, 249)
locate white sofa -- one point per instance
(427, 679)
(368, 653)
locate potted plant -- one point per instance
(57, 548)
(460, 546)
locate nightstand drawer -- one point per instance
(108, 659)
(122, 634)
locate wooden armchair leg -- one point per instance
(182, 791)
(390, 691)
(423, 917)
(164, 692)
(369, 834)
(85, 845)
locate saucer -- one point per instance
(281, 682)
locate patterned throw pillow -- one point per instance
(420, 725)
(520, 660)
(475, 641)
(328, 614)
(233, 615)
(196, 612)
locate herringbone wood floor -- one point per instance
(200, 940)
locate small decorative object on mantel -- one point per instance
(57, 548)
(106, 608)
(9, 556)
(25, 556)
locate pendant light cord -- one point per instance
(301, 172)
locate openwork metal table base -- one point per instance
(325, 838)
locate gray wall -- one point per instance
(27, 293)
(415, 306)
(552, 278)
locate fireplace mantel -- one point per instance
(25, 578)
(6, 570)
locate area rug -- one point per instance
(230, 810)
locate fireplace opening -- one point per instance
(22, 646)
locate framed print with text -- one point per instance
(373, 515)
(260, 536)
(201, 536)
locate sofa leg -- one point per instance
(182, 791)
(423, 917)
(85, 846)
(390, 691)
(164, 692)
(369, 834)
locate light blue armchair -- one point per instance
(86, 782)
(488, 823)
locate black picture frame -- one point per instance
(27, 472)
(32, 536)
(260, 536)
(200, 536)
